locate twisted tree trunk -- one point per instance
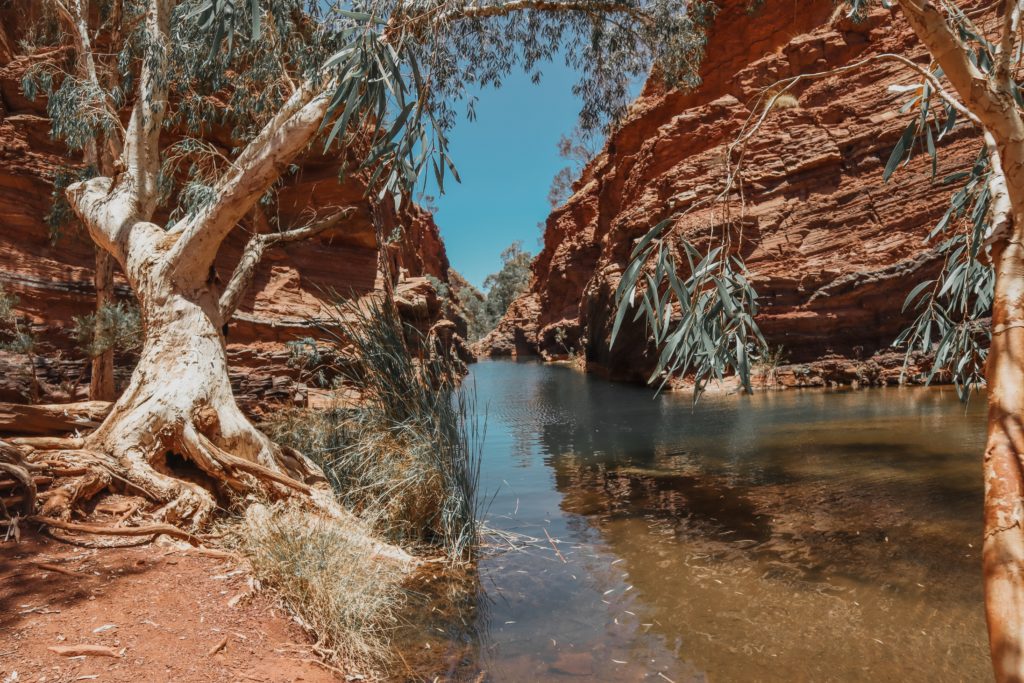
(176, 434)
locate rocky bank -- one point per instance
(833, 250)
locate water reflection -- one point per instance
(782, 537)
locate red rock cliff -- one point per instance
(833, 250)
(53, 280)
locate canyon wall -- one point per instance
(52, 278)
(832, 249)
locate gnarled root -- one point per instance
(180, 473)
(23, 496)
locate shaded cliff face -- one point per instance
(833, 251)
(53, 280)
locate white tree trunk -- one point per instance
(178, 406)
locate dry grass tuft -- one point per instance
(347, 599)
(786, 101)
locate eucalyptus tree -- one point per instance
(702, 316)
(205, 107)
(508, 283)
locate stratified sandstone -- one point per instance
(832, 249)
(53, 279)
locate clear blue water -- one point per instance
(788, 536)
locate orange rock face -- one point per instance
(832, 249)
(53, 279)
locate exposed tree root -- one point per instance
(183, 460)
(13, 465)
(50, 419)
(147, 530)
(48, 443)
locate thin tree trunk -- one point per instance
(1003, 552)
(101, 381)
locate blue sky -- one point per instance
(506, 159)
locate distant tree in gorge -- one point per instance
(473, 305)
(578, 149)
(375, 82)
(508, 283)
(702, 316)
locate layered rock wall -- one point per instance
(833, 250)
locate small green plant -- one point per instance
(17, 337)
(114, 327)
(312, 359)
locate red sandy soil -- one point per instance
(164, 609)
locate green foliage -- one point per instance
(576, 148)
(714, 332)
(924, 129)
(482, 312)
(114, 327)
(408, 450)
(77, 109)
(8, 302)
(395, 73)
(954, 310)
(717, 304)
(474, 308)
(313, 360)
(60, 211)
(606, 45)
(508, 283)
(953, 323)
(15, 335)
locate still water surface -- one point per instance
(789, 536)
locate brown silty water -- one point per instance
(791, 536)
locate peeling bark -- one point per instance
(989, 97)
(1003, 550)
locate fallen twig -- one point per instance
(84, 651)
(218, 647)
(60, 570)
(555, 547)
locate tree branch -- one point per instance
(951, 53)
(989, 98)
(245, 271)
(1002, 209)
(440, 15)
(93, 203)
(282, 139)
(142, 143)
(76, 19)
(1010, 12)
